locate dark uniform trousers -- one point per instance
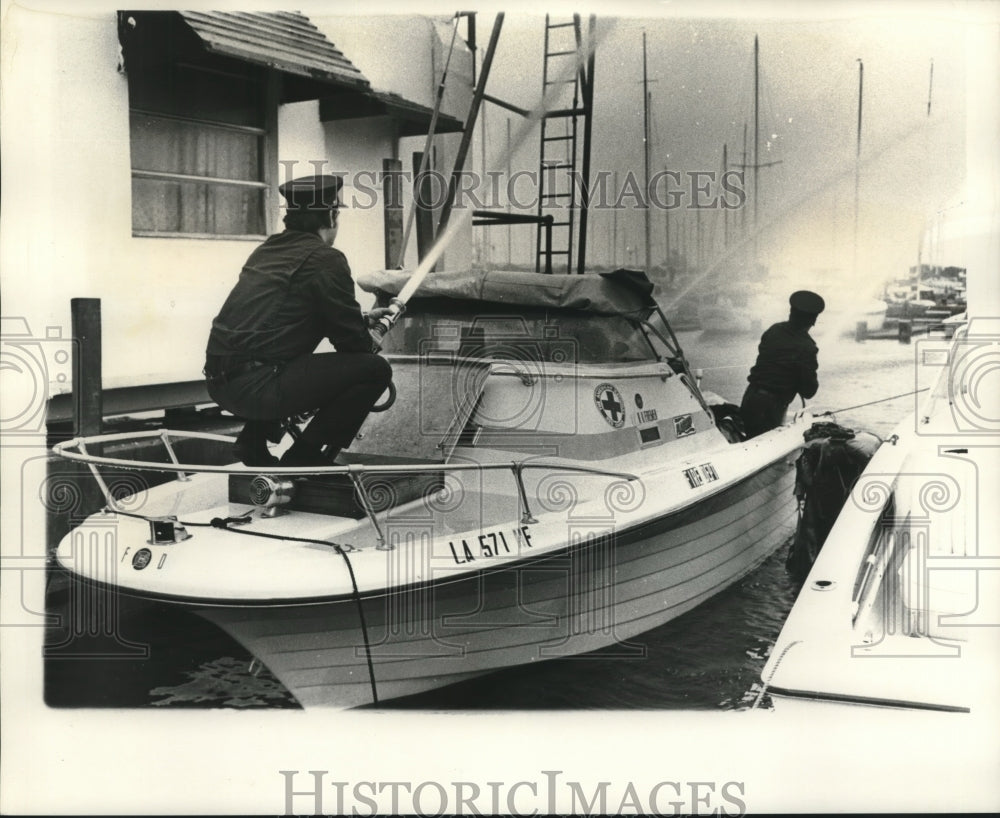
(761, 411)
(342, 386)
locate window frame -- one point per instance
(270, 81)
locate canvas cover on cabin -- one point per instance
(612, 293)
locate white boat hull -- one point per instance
(901, 608)
(572, 601)
(548, 486)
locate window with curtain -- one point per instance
(198, 146)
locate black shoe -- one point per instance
(256, 456)
(274, 430)
(301, 456)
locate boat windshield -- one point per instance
(495, 331)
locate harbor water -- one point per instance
(709, 658)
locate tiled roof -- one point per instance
(285, 40)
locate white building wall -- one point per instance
(66, 214)
(406, 54)
(67, 224)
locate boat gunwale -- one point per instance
(63, 450)
(660, 524)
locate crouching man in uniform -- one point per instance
(293, 291)
(786, 366)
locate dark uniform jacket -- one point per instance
(786, 363)
(293, 291)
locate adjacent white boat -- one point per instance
(549, 481)
(902, 606)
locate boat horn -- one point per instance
(271, 494)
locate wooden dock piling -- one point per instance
(88, 399)
(905, 330)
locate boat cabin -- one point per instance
(577, 367)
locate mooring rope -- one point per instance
(763, 690)
(830, 411)
(873, 402)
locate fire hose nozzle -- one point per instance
(385, 323)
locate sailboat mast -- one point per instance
(930, 89)
(645, 143)
(725, 211)
(666, 237)
(614, 228)
(743, 210)
(857, 163)
(509, 154)
(756, 136)
(699, 240)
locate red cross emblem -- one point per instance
(610, 404)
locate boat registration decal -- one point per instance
(683, 425)
(610, 404)
(646, 416)
(488, 544)
(699, 475)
